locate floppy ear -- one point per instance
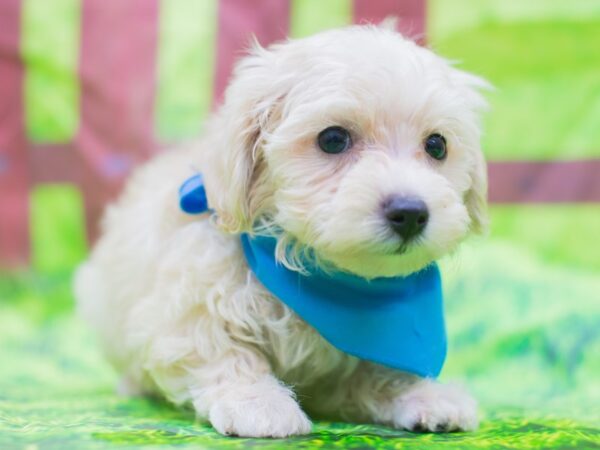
(476, 197)
(235, 171)
(470, 87)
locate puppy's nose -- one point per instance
(407, 216)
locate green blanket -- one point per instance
(524, 325)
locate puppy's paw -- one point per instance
(260, 413)
(432, 407)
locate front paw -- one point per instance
(259, 412)
(432, 407)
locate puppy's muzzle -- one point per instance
(407, 216)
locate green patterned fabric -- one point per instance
(524, 337)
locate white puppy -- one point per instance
(177, 308)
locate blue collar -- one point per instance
(396, 321)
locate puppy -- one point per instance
(314, 141)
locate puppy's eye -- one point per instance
(334, 140)
(435, 146)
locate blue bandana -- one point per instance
(395, 321)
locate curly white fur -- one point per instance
(175, 305)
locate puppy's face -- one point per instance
(358, 144)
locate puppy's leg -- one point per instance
(431, 406)
(240, 397)
(377, 394)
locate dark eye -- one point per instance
(334, 140)
(435, 146)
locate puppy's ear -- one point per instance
(476, 196)
(235, 172)
(470, 87)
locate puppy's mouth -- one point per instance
(402, 249)
(406, 245)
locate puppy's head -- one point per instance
(355, 143)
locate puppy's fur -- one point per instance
(176, 307)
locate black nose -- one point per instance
(407, 216)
